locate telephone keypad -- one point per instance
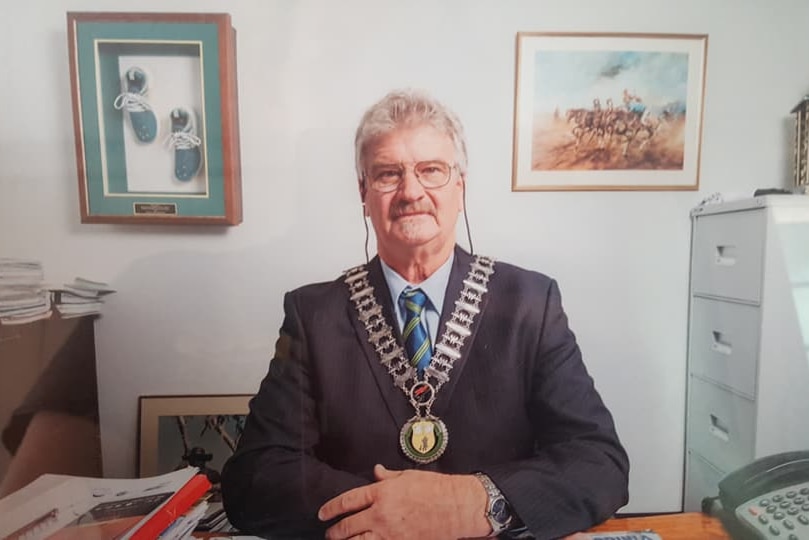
(780, 513)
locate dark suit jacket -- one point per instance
(519, 406)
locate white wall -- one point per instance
(198, 308)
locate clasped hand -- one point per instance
(409, 504)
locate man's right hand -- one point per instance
(410, 504)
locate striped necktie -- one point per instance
(417, 342)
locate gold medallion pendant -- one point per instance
(424, 438)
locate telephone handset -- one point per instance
(769, 498)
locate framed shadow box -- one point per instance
(155, 116)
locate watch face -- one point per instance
(500, 511)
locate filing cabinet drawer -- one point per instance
(721, 425)
(728, 255)
(724, 343)
(701, 480)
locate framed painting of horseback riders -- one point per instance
(177, 431)
(608, 111)
(155, 117)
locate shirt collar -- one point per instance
(435, 286)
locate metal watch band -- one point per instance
(493, 494)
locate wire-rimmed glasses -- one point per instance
(431, 174)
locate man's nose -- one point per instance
(410, 188)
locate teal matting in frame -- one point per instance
(155, 117)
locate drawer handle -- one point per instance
(719, 429)
(725, 255)
(719, 345)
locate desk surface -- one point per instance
(687, 526)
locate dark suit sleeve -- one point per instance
(578, 474)
(274, 484)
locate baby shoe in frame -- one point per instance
(186, 143)
(132, 99)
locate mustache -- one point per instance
(404, 208)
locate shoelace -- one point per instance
(182, 140)
(131, 102)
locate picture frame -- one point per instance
(172, 427)
(608, 111)
(155, 117)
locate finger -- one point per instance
(367, 535)
(350, 501)
(352, 526)
(381, 473)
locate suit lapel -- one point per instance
(397, 403)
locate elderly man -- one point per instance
(429, 393)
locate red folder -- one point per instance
(173, 508)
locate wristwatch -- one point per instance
(498, 511)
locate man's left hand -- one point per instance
(410, 504)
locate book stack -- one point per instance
(23, 297)
(182, 527)
(80, 298)
(216, 520)
(61, 507)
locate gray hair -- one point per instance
(402, 108)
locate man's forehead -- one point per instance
(423, 139)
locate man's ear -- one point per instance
(363, 193)
(363, 190)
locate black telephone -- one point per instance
(768, 499)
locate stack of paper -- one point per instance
(182, 527)
(60, 506)
(80, 298)
(23, 297)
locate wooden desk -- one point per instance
(52, 363)
(687, 526)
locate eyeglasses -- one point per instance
(430, 174)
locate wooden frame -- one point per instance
(608, 111)
(210, 422)
(155, 117)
